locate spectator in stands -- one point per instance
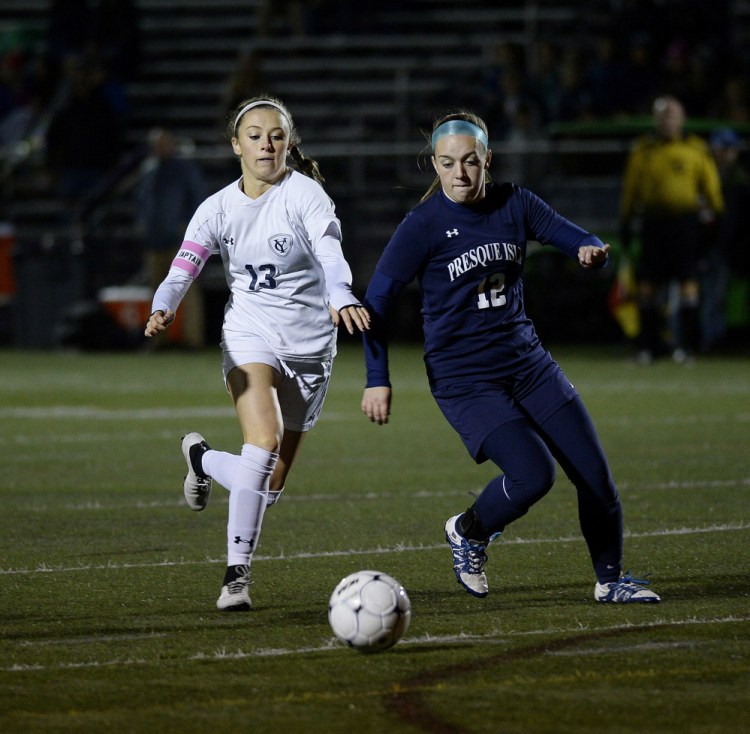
(640, 77)
(169, 192)
(604, 77)
(575, 102)
(689, 74)
(85, 136)
(671, 182)
(522, 163)
(115, 41)
(502, 87)
(295, 17)
(12, 91)
(729, 254)
(245, 81)
(24, 103)
(545, 78)
(733, 102)
(68, 30)
(115, 38)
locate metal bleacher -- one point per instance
(360, 97)
(361, 91)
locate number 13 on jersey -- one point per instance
(262, 276)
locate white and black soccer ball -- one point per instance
(369, 611)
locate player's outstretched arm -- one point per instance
(376, 404)
(158, 321)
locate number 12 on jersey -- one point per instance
(490, 291)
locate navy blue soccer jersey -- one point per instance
(468, 260)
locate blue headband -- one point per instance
(459, 127)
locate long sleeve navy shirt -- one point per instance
(468, 260)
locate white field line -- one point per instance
(400, 548)
(94, 639)
(92, 412)
(495, 638)
(97, 505)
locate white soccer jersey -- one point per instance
(283, 263)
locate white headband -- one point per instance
(262, 102)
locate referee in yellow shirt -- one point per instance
(671, 182)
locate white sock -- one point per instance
(247, 503)
(221, 466)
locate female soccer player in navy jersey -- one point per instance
(496, 385)
(280, 241)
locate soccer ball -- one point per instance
(369, 611)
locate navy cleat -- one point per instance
(469, 558)
(627, 590)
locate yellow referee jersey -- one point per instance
(670, 177)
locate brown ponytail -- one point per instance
(305, 165)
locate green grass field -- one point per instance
(108, 582)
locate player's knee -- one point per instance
(536, 480)
(541, 477)
(268, 440)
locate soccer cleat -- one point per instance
(197, 487)
(644, 356)
(469, 558)
(234, 596)
(273, 497)
(627, 590)
(682, 356)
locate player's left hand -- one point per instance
(354, 315)
(591, 256)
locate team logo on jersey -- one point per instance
(451, 233)
(281, 244)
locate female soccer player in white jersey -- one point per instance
(500, 390)
(280, 241)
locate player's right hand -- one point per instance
(158, 321)
(376, 404)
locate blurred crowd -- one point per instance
(64, 88)
(65, 91)
(613, 64)
(610, 62)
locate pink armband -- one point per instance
(191, 258)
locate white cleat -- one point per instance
(627, 590)
(234, 596)
(469, 558)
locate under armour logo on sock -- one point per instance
(238, 539)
